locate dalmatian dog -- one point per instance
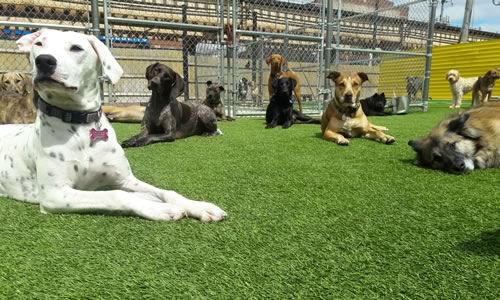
(69, 160)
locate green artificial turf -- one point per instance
(307, 219)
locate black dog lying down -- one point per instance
(374, 105)
(280, 109)
(166, 119)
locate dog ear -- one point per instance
(416, 145)
(268, 60)
(177, 86)
(363, 76)
(148, 69)
(209, 82)
(333, 75)
(293, 82)
(221, 88)
(26, 41)
(456, 125)
(28, 83)
(383, 94)
(110, 67)
(283, 61)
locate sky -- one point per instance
(484, 14)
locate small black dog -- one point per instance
(280, 109)
(374, 105)
(166, 119)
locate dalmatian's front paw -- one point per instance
(205, 211)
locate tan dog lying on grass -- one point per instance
(344, 117)
(277, 61)
(125, 114)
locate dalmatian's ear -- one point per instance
(110, 67)
(26, 41)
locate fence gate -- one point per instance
(260, 28)
(389, 41)
(184, 35)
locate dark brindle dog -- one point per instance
(280, 109)
(166, 119)
(214, 101)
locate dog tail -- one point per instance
(381, 128)
(301, 118)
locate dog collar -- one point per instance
(69, 116)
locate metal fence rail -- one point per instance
(228, 41)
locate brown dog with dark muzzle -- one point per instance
(344, 117)
(482, 89)
(276, 61)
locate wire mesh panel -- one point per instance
(20, 17)
(386, 40)
(162, 36)
(292, 29)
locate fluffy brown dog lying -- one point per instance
(344, 117)
(16, 99)
(463, 143)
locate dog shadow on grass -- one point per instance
(487, 244)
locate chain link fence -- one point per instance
(20, 17)
(292, 29)
(387, 40)
(228, 42)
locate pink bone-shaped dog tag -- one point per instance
(99, 134)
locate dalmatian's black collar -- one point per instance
(69, 116)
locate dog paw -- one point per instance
(343, 142)
(206, 212)
(269, 126)
(389, 140)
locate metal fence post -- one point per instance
(185, 54)
(235, 56)
(220, 42)
(337, 43)
(328, 50)
(428, 57)
(94, 12)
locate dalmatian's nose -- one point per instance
(46, 63)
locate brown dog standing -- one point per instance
(482, 89)
(277, 61)
(344, 117)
